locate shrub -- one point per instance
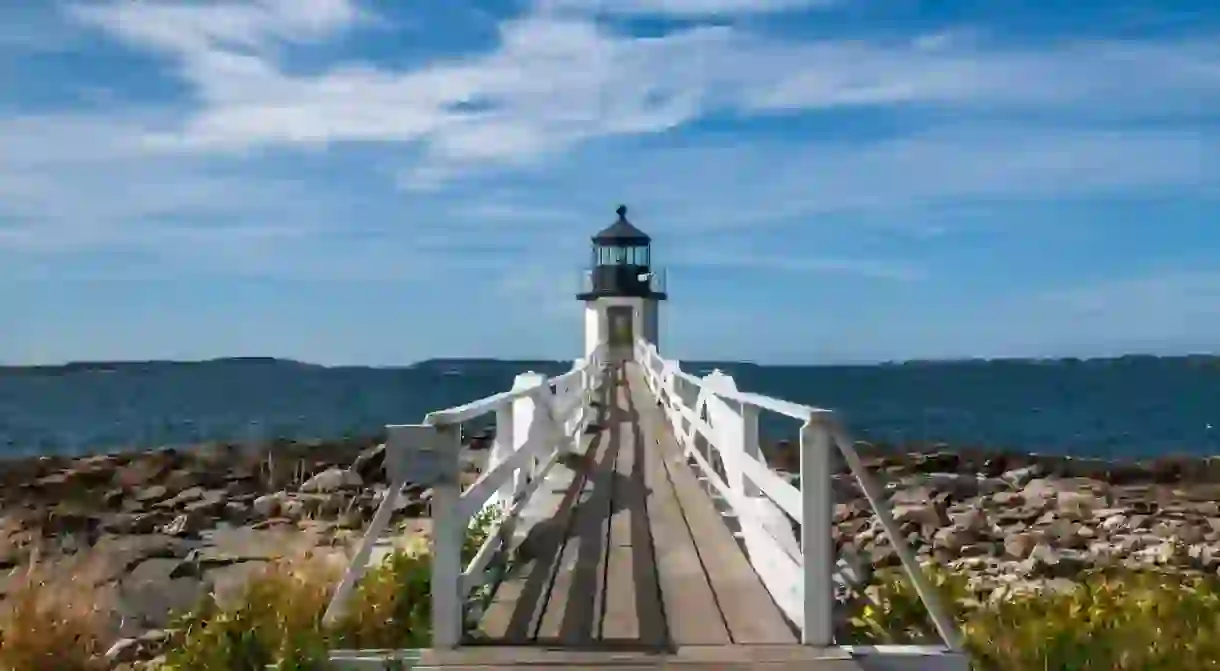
(54, 618)
(277, 619)
(1116, 620)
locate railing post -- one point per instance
(524, 410)
(448, 533)
(728, 420)
(502, 450)
(817, 509)
(670, 380)
(750, 448)
(578, 418)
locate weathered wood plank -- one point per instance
(717, 657)
(692, 613)
(573, 610)
(634, 611)
(515, 614)
(750, 614)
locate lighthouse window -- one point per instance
(610, 255)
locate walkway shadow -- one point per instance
(582, 594)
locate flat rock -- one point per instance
(332, 479)
(228, 582)
(245, 544)
(122, 554)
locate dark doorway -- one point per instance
(620, 334)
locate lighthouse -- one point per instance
(622, 290)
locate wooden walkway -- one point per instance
(635, 569)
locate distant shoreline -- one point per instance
(135, 365)
(126, 366)
(1127, 408)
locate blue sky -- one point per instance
(826, 180)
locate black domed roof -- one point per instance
(621, 233)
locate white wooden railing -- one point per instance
(798, 572)
(537, 422)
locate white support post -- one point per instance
(729, 424)
(524, 410)
(750, 448)
(817, 509)
(448, 533)
(501, 451)
(670, 380)
(571, 427)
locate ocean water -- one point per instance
(1126, 407)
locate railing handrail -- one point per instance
(811, 505)
(479, 407)
(524, 451)
(776, 405)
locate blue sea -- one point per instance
(1127, 407)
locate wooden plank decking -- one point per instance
(635, 569)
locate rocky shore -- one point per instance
(163, 528)
(1015, 522)
(157, 530)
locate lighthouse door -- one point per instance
(620, 334)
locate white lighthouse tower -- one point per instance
(622, 291)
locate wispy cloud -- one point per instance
(557, 80)
(881, 182)
(687, 8)
(554, 83)
(180, 27)
(737, 260)
(310, 141)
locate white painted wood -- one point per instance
(448, 527)
(527, 428)
(595, 327)
(483, 493)
(503, 448)
(644, 320)
(525, 410)
(473, 575)
(800, 576)
(750, 448)
(817, 544)
(777, 563)
(536, 425)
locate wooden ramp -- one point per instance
(635, 569)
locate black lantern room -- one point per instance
(621, 264)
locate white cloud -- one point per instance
(772, 183)
(194, 27)
(477, 125)
(869, 268)
(687, 8)
(557, 80)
